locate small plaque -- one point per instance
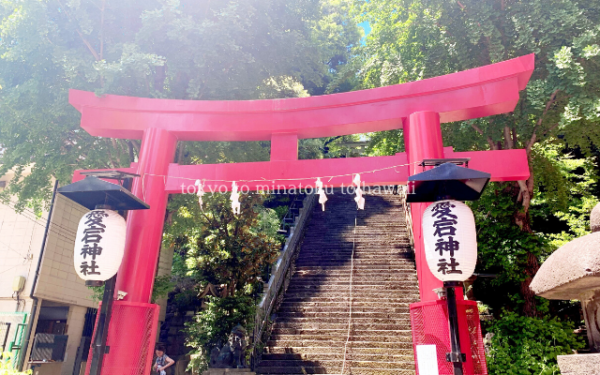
(427, 360)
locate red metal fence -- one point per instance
(427, 331)
(141, 320)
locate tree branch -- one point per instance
(551, 129)
(489, 139)
(131, 153)
(87, 44)
(110, 157)
(136, 146)
(102, 29)
(533, 138)
(508, 138)
(514, 136)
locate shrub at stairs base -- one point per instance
(525, 345)
(7, 365)
(211, 326)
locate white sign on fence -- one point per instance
(427, 360)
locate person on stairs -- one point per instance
(162, 361)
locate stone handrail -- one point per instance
(403, 190)
(280, 276)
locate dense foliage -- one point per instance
(7, 365)
(523, 345)
(152, 48)
(220, 257)
(229, 249)
(211, 326)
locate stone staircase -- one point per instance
(311, 332)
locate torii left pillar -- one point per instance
(134, 323)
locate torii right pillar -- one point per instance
(429, 318)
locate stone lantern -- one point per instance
(573, 273)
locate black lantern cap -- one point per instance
(92, 191)
(447, 181)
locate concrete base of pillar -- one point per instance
(228, 371)
(579, 364)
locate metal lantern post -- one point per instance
(103, 197)
(449, 228)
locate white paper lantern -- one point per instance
(99, 246)
(450, 240)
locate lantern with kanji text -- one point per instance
(450, 240)
(99, 246)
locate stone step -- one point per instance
(272, 371)
(335, 260)
(354, 324)
(343, 314)
(356, 281)
(359, 257)
(349, 223)
(381, 280)
(357, 308)
(360, 254)
(349, 229)
(400, 343)
(358, 236)
(398, 285)
(358, 263)
(406, 356)
(357, 266)
(357, 302)
(371, 247)
(346, 299)
(363, 334)
(319, 245)
(335, 367)
(358, 249)
(356, 273)
(342, 337)
(335, 350)
(376, 294)
(371, 220)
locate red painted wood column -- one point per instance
(134, 322)
(145, 227)
(422, 140)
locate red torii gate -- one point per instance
(416, 107)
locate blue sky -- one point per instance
(367, 28)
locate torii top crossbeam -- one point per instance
(480, 92)
(416, 107)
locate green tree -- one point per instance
(157, 48)
(529, 345)
(221, 257)
(417, 39)
(231, 250)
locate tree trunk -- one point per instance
(531, 268)
(522, 218)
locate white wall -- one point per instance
(20, 243)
